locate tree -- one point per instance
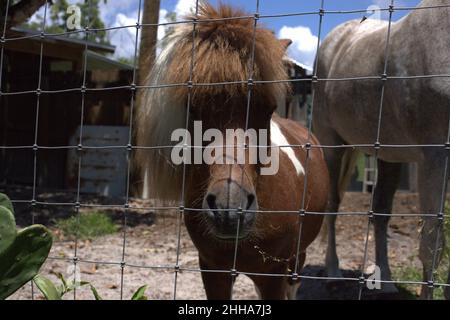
(147, 54)
(58, 16)
(149, 38)
(18, 11)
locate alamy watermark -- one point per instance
(373, 281)
(74, 19)
(236, 146)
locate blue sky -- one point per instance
(303, 30)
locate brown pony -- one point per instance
(228, 206)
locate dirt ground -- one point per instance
(151, 240)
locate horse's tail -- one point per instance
(348, 164)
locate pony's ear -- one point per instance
(285, 43)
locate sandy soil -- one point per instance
(151, 241)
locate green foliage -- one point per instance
(440, 275)
(95, 293)
(408, 274)
(21, 253)
(56, 292)
(5, 202)
(7, 228)
(52, 291)
(140, 294)
(446, 253)
(87, 225)
(129, 61)
(415, 274)
(58, 16)
(47, 288)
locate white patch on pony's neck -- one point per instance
(278, 139)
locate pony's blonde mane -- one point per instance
(223, 53)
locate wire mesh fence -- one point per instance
(321, 13)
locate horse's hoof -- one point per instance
(389, 288)
(426, 293)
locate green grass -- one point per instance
(440, 275)
(88, 225)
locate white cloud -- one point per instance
(39, 13)
(304, 43)
(383, 4)
(184, 7)
(125, 38)
(110, 9)
(119, 13)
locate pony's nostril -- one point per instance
(250, 200)
(211, 201)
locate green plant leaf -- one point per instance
(140, 294)
(95, 293)
(21, 261)
(76, 285)
(5, 202)
(47, 288)
(64, 287)
(8, 230)
(87, 225)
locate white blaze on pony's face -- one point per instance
(279, 139)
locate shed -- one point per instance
(296, 105)
(58, 115)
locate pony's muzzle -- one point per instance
(231, 211)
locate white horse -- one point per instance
(415, 112)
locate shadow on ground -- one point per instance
(52, 206)
(313, 289)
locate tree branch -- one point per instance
(20, 12)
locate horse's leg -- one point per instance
(331, 258)
(292, 286)
(291, 293)
(334, 160)
(431, 181)
(218, 285)
(333, 157)
(387, 183)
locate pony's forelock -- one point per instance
(223, 52)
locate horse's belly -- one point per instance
(363, 136)
(406, 119)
